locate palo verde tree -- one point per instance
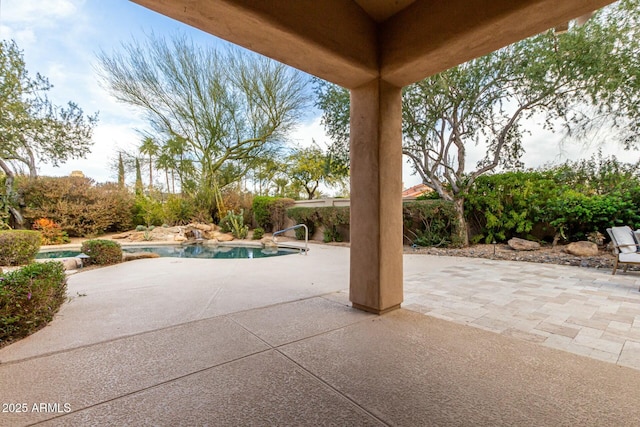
(311, 166)
(32, 128)
(579, 81)
(221, 110)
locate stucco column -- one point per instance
(376, 197)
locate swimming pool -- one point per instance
(187, 251)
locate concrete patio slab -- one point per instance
(260, 390)
(235, 343)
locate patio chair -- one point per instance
(625, 246)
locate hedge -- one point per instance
(29, 298)
(102, 252)
(18, 247)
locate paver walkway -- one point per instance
(580, 310)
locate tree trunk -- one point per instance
(11, 194)
(461, 232)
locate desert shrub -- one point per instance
(307, 216)
(278, 212)
(78, 205)
(261, 214)
(430, 223)
(333, 219)
(29, 298)
(50, 232)
(233, 198)
(140, 227)
(147, 211)
(18, 247)
(178, 210)
(258, 233)
(235, 223)
(102, 252)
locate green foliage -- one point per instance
(332, 218)
(33, 129)
(102, 252)
(270, 212)
(140, 227)
(570, 200)
(235, 223)
(78, 205)
(18, 247)
(147, 211)
(29, 298)
(215, 112)
(178, 210)
(509, 204)
(261, 213)
(431, 223)
(258, 233)
(307, 216)
(310, 166)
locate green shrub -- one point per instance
(261, 213)
(333, 219)
(18, 247)
(102, 252)
(430, 223)
(140, 227)
(307, 216)
(147, 211)
(258, 233)
(29, 298)
(270, 212)
(178, 210)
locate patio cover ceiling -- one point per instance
(351, 42)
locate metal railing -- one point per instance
(306, 235)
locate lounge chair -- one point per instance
(625, 246)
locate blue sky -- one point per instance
(60, 39)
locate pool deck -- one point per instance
(174, 341)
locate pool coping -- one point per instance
(209, 243)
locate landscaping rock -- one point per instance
(582, 249)
(523, 245)
(179, 238)
(138, 255)
(222, 237)
(71, 264)
(125, 235)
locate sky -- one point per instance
(60, 40)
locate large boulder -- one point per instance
(71, 263)
(523, 245)
(582, 249)
(222, 237)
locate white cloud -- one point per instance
(38, 12)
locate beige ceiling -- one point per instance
(351, 42)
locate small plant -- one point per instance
(258, 233)
(29, 298)
(102, 252)
(50, 232)
(235, 224)
(18, 247)
(140, 228)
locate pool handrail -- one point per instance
(306, 235)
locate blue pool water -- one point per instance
(188, 251)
